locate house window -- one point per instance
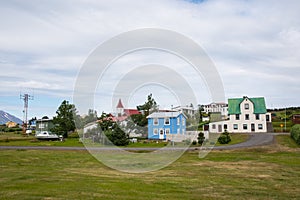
(155, 121)
(155, 131)
(167, 131)
(246, 106)
(183, 122)
(213, 126)
(225, 126)
(161, 131)
(257, 116)
(167, 121)
(267, 118)
(246, 116)
(245, 127)
(260, 126)
(235, 126)
(178, 130)
(237, 117)
(178, 121)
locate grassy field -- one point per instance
(270, 172)
(13, 139)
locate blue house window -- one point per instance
(155, 131)
(178, 120)
(161, 131)
(167, 131)
(167, 121)
(183, 122)
(155, 121)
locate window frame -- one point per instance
(155, 120)
(247, 117)
(235, 126)
(167, 131)
(246, 106)
(167, 119)
(257, 116)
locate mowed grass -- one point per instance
(271, 172)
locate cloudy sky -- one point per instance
(255, 46)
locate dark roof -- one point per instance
(258, 102)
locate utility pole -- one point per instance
(285, 121)
(25, 98)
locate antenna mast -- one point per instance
(25, 98)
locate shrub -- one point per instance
(295, 133)
(224, 138)
(194, 142)
(201, 138)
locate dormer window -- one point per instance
(246, 106)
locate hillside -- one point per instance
(5, 117)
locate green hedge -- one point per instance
(295, 133)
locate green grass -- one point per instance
(31, 141)
(235, 138)
(259, 173)
(287, 141)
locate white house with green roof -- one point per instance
(245, 115)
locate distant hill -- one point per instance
(5, 117)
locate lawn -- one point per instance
(271, 172)
(14, 139)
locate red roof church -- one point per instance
(124, 113)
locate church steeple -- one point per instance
(120, 108)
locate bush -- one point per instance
(224, 138)
(194, 142)
(295, 133)
(201, 138)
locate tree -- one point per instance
(117, 136)
(201, 138)
(105, 121)
(64, 121)
(224, 138)
(91, 116)
(148, 106)
(295, 133)
(112, 130)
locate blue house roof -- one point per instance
(165, 114)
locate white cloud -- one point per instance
(255, 44)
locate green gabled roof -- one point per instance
(259, 105)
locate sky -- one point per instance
(254, 45)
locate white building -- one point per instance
(185, 109)
(217, 108)
(245, 115)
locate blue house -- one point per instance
(163, 124)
